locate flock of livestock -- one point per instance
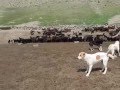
(67, 35)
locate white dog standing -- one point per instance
(92, 59)
(114, 47)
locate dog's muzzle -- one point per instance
(79, 57)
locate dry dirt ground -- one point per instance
(53, 66)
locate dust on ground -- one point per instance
(53, 66)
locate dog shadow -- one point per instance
(93, 70)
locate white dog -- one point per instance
(114, 47)
(92, 59)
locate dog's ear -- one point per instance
(82, 54)
(98, 57)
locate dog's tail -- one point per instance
(110, 56)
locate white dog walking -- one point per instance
(92, 59)
(114, 47)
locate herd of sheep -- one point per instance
(109, 33)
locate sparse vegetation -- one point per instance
(55, 12)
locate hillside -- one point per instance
(55, 12)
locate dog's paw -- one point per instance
(102, 70)
(86, 71)
(87, 75)
(104, 73)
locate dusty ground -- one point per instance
(53, 66)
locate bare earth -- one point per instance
(53, 66)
